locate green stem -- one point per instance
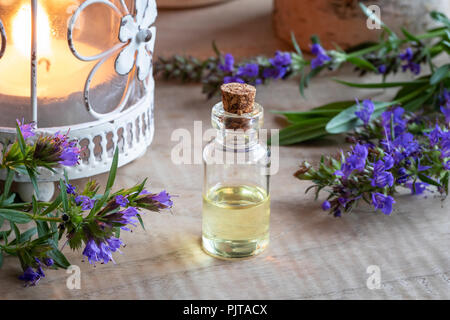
(43, 218)
(400, 41)
(27, 205)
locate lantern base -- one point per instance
(131, 131)
(26, 191)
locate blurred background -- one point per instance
(252, 27)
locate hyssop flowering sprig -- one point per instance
(391, 54)
(84, 219)
(396, 149)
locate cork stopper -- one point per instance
(238, 98)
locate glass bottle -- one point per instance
(236, 200)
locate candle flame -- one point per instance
(21, 33)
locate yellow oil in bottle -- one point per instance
(235, 221)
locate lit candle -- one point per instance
(60, 74)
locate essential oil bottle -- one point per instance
(236, 200)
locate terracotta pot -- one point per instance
(180, 4)
(342, 22)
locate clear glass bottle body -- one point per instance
(236, 199)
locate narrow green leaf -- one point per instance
(440, 17)
(33, 180)
(428, 180)
(440, 74)
(140, 221)
(16, 232)
(53, 206)
(295, 44)
(8, 182)
(59, 258)
(99, 204)
(34, 204)
(64, 199)
(28, 234)
(66, 175)
(8, 201)
(24, 237)
(381, 84)
(415, 104)
(300, 132)
(14, 216)
(306, 116)
(410, 36)
(5, 234)
(306, 135)
(113, 170)
(362, 63)
(54, 229)
(42, 228)
(20, 140)
(1, 258)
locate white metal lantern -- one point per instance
(83, 65)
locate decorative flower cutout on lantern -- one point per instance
(136, 39)
(139, 34)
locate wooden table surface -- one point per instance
(311, 255)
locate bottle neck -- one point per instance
(234, 131)
(237, 139)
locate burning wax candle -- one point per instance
(60, 75)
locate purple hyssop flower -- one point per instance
(101, 251)
(71, 189)
(366, 111)
(446, 112)
(382, 202)
(337, 212)
(49, 262)
(321, 56)
(279, 66)
(228, 64)
(274, 73)
(445, 107)
(381, 177)
(408, 56)
(447, 165)
(434, 136)
(382, 69)
(230, 79)
(355, 161)
(30, 276)
(281, 59)
(326, 205)
(122, 200)
(69, 156)
(403, 176)
(250, 70)
(69, 152)
(127, 217)
(85, 202)
(27, 130)
(163, 198)
(396, 116)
